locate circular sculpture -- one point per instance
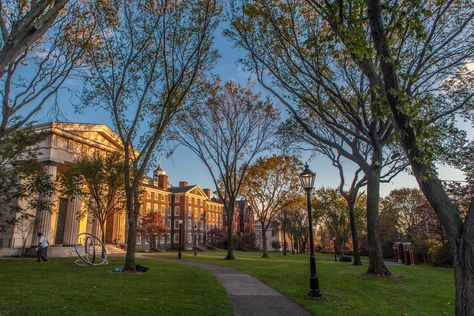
(93, 251)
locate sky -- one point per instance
(183, 165)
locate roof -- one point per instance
(181, 189)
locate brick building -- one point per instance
(189, 203)
(243, 224)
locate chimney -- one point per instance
(161, 179)
(208, 193)
(163, 182)
(183, 184)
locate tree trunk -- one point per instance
(230, 219)
(23, 247)
(130, 264)
(284, 234)
(102, 237)
(132, 216)
(354, 233)
(464, 271)
(264, 238)
(376, 262)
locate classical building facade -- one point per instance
(65, 142)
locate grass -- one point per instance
(420, 290)
(59, 287)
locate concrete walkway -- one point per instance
(249, 296)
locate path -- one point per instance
(249, 296)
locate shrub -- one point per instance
(276, 244)
(441, 255)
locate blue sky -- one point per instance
(183, 165)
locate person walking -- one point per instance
(42, 249)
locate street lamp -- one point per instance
(195, 238)
(307, 178)
(180, 222)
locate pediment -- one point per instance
(197, 191)
(91, 135)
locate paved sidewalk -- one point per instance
(249, 296)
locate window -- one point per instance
(146, 241)
(202, 238)
(162, 197)
(139, 239)
(148, 207)
(176, 199)
(176, 224)
(162, 239)
(190, 208)
(190, 238)
(169, 224)
(190, 224)
(162, 210)
(148, 194)
(169, 210)
(176, 238)
(176, 211)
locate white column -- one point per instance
(43, 218)
(72, 222)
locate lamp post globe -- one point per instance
(307, 178)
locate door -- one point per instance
(61, 223)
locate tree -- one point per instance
(293, 59)
(25, 183)
(293, 137)
(98, 182)
(415, 60)
(408, 215)
(445, 46)
(151, 225)
(228, 127)
(41, 44)
(267, 187)
(24, 226)
(405, 204)
(142, 69)
(23, 23)
(330, 211)
(297, 221)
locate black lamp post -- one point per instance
(307, 178)
(180, 222)
(195, 238)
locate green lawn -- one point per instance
(59, 287)
(420, 290)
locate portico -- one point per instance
(64, 143)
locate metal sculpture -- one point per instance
(90, 254)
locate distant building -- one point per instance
(243, 224)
